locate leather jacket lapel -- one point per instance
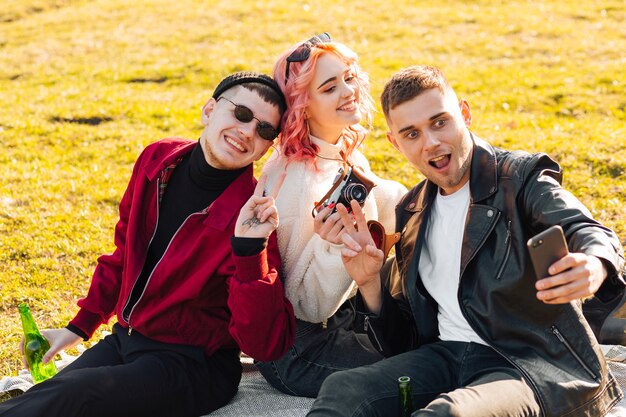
(480, 222)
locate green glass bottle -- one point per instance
(405, 397)
(35, 346)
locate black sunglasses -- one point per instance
(303, 51)
(245, 115)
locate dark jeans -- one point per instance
(133, 376)
(319, 352)
(448, 378)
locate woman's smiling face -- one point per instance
(333, 98)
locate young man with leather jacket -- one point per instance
(194, 278)
(462, 312)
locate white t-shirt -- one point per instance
(440, 263)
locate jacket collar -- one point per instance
(484, 171)
(223, 210)
(155, 167)
(483, 177)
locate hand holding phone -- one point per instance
(546, 248)
(578, 275)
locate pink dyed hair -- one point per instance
(294, 138)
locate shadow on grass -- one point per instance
(92, 121)
(155, 80)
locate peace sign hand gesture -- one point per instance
(259, 216)
(360, 256)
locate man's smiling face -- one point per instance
(228, 143)
(431, 131)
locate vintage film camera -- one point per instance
(349, 184)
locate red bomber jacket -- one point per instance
(200, 293)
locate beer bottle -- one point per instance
(405, 397)
(35, 346)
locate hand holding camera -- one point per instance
(351, 183)
(327, 224)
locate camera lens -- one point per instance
(356, 192)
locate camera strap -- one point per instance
(320, 204)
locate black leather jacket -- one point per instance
(514, 195)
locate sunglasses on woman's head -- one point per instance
(303, 51)
(245, 115)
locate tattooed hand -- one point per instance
(259, 217)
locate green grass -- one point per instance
(87, 84)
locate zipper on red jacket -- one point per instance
(125, 314)
(126, 317)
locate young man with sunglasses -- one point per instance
(193, 280)
(462, 312)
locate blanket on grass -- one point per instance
(256, 398)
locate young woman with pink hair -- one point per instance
(328, 98)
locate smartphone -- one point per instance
(546, 248)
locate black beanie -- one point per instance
(245, 77)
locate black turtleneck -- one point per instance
(192, 187)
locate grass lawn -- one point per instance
(86, 85)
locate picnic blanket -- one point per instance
(256, 398)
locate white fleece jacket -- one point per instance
(316, 281)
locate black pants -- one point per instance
(449, 379)
(126, 375)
